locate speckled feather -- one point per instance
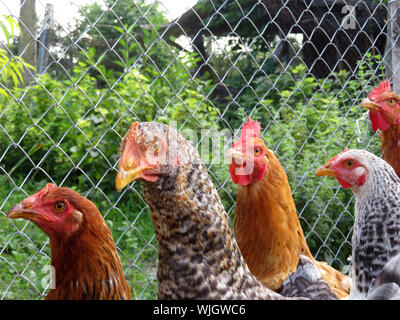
(307, 278)
(387, 283)
(198, 255)
(376, 233)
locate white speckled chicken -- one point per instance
(376, 234)
(198, 255)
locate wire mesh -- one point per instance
(299, 67)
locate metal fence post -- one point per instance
(394, 38)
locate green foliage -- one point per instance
(68, 132)
(122, 28)
(8, 25)
(306, 122)
(66, 129)
(20, 251)
(11, 68)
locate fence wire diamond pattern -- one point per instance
(300, 68)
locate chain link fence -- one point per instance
(75, 75)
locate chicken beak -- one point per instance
(237, 157)
(20, 211)
(124, 177)
(325, 170)
(369, 104)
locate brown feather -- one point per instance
(86, 263)
(390, 146)
(269, 233)
(198, 256)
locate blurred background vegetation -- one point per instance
(65, 127)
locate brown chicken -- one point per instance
(384, 112)
(84, 255)
(266, 224)
(198, 257)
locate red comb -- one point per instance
(133, 131)
(40, 194)
(134, 126)
(384, 86)
(250, 129)
(338, 155)
(46, 189)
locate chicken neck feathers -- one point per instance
(198, 255)
(269, 233)
(390, 146)
(86, 264)
(267, 228)
(376, 233)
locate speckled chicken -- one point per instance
(198, 256)
(387, 283)
(376, 233)
(307, 281)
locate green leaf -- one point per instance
(119, 29)
(6, 34)
(122, 42)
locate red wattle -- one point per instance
(243, 179)
(378, 121)
(344, 183)
(232, 172)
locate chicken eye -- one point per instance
(348, 164)
(59, 207)
(257, 151)
(155, 146)
(391, 101)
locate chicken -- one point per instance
(266, 224)
(387, 283)
(83, 253)
(376, 232)
(384, 112)
(198, 255)
(307, 281)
